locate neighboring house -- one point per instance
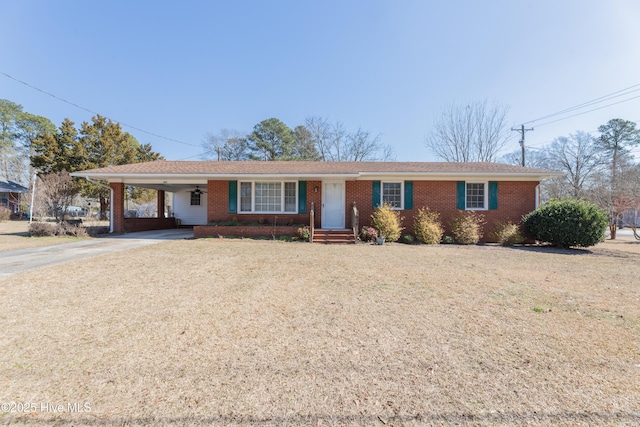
(11, 195)
(285, 192)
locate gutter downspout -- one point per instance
(110, 201)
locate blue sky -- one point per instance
(185, 69)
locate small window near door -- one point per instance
(195, 198)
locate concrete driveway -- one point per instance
(12, 262)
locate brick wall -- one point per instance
(200, 231)
(146, 224)
(118, 207)
(515, 199)
(218, 206)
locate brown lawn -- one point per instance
(14, 235)
(237, 332)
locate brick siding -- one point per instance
(146, 224)
(118, 207)
(218, 207)
(200, 231)
(515, 199)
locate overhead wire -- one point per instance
(588, 111)
(598, 100)
(94, 112)
(622, 92)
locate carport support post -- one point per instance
(117, 207)
(160, 203)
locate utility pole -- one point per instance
(522, 131)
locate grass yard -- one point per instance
(238, 332)
(14, 235)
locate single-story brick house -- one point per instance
(283, 193)
(11, 194)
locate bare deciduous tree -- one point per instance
(334, 143)
(578, 157)
(614, 192)
(228, 145)
(472, 132)
(56, 193)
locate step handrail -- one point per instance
(312, 220)
(355, 221)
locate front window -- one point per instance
(392, 194)
(268, 197)
(476, 196)
(245, 197)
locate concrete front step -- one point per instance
(333, 236)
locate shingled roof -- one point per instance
(11, 187)
(307, 168)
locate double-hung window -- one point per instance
(476, 195)
(268, 197)
(392, 194)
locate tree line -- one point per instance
(600, 168)
(317, 139)
(30, 143)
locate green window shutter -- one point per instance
(233, 196)
(408, 194)
(302, 197)
(461, 195)
(375, 194)
(493, 195)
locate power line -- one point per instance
(96, 113)
(588, 111)
(541, 145)
(616, 94)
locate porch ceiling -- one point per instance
(169, 187)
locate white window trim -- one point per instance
(382, 183)
(253, 198)
(486, 195)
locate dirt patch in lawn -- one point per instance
(236, 332)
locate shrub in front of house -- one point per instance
(73, 230)
(304, 234)
(448, 240)
(408, 239)
(5, 213)
(567, 223)
(466, 227)
(387, 221)
(427, 226)
(368, 234)
(42, 229)
(507, 234)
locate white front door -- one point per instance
(333, 204)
